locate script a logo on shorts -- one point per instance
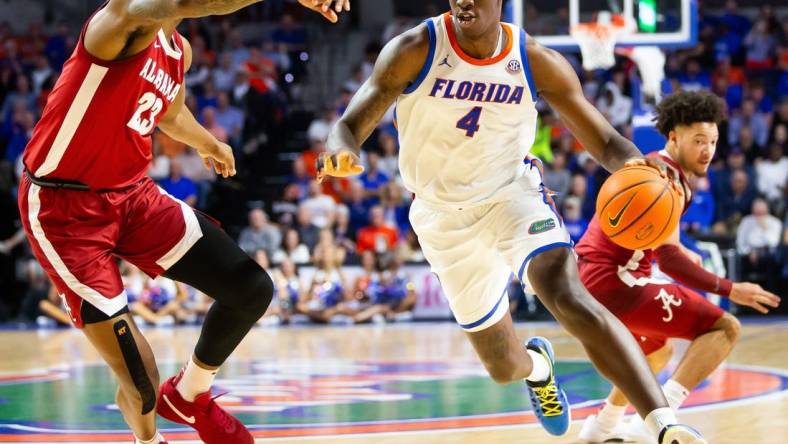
(541, 226)
(514, 66)
(617, 218)
(668, 301)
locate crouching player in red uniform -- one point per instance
(655, 311)
(85, 200)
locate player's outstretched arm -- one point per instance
(397, 66)
(180, 124)
(557, 82)
(126, 27)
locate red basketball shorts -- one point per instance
(657, 311)
(78, 236)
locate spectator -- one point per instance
(321, 126)
(541, 147)
(735, 205)
(178, 185)
(359, 207)
(372, 178)
(342, 229)
(748, 146)
(309, 156)
(395, 207)
(262, 72)
(579, 189)
(290, 35)
(292, 250)
(377, 237)
(209, 121)
(238, 52)
(17, 132)
(735, 21)
(287, 294)
(301, 177)
(748, 116)
(409, 249)
(285, 209)
(259, 235)
(700, 214)
(758, 239)
(326, 293)
(574, 222)
(41, 72)
(224, 74)
(389, 162)
(231, 119)
(694, 78)
(307, 231)
(21, 94)
(392, 297)
(773, 173)
(615, 106)
(760, 47)
(321, 207)
(156, 301)
(557, 177)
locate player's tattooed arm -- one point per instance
(557, 82)
(397, 66)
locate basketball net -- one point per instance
(597, 42)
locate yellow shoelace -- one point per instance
(548, 398)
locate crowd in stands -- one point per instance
(242, 89)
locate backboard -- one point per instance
(662, 23)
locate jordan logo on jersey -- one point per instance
(445, 62)
(477, 91)
(668, 302)
(160, 80)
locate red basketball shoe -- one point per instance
(213, 424)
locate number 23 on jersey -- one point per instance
(150, 104)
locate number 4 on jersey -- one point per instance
(470, 122)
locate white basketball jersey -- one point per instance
(465, 125)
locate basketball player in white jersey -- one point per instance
(465, 86)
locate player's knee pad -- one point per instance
(135, 365)
(252, 290)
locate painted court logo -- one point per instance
(541, 226)
(325, 397)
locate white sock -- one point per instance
(195, 380)
(610, 415)
(157, 438)
(659, 418)
(675, 393)
(541, 367)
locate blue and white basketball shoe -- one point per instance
(547, 398)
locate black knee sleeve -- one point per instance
(135, 365)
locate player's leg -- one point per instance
(161, 235)
(125, 350)
(606, 424)
(614, 352)
(475, 277)
(74, 248)
(704, 355)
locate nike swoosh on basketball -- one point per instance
(615, 220)
(189, 419)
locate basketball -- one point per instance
(637, 208)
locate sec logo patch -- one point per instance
(514, 66)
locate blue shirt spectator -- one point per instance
(700, 214)
(178, 185)
(574, 222)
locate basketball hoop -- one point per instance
(597, 40)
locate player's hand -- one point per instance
(665, 171)
(327, 8)
(343, 163)
(219, 158)
(752, 295)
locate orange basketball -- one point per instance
(637, 208)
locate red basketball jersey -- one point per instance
(97, 124)
(613, 264)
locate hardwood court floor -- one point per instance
(408, 383)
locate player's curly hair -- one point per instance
(686, 108)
